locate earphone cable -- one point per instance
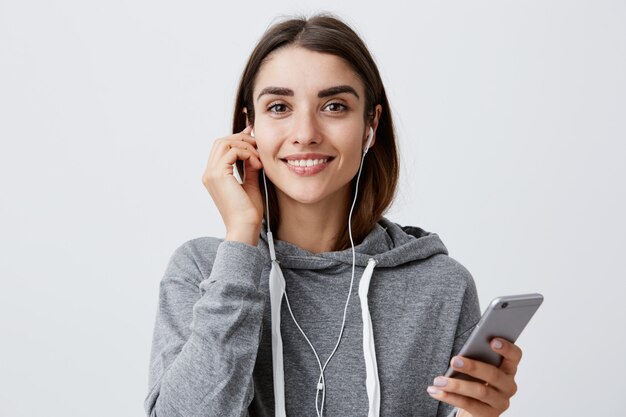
(345, 310)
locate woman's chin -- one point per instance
(305, 196)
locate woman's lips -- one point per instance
(308, 171)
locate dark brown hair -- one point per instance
(325, 33)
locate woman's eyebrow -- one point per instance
(279, 91)
(331, 91)
(337, 90)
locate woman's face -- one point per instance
(309, 124)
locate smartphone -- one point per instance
(505, 318)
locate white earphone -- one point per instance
(370, 136)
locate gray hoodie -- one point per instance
(212, 348)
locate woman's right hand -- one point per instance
(240, 205)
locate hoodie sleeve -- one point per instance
(469, 315)
(206, 334)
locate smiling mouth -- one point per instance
(307, 162)
(307, 167)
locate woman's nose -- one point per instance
(306, 129)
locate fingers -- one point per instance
(511, 355)
(473, 391)
(245, 135)
(241, 140)
(239, 204)
(490, 398)
(471, 405)
(238, 146)
(492, 375)
(241, 145)
(227, 150)
(236, 152)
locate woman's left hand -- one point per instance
(477, 399)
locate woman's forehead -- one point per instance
(305, 72)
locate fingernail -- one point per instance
(432, 390)
(497, 344)
(457, 362)
(441, 382)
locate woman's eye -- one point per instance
(277, 108)
(336, 107)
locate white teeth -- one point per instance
(306, 162)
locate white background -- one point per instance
(511, 122)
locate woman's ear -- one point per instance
(245, 111)
(374, 123)
(249, 112)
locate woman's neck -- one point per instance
(313, 227)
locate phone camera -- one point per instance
(505, 305)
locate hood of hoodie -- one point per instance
(388, 243)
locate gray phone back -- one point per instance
(505, 317)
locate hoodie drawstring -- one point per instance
(371, 369)
(277, 289)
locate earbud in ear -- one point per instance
(370, 136)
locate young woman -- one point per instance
(314, 302)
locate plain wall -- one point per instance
(511, 125)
